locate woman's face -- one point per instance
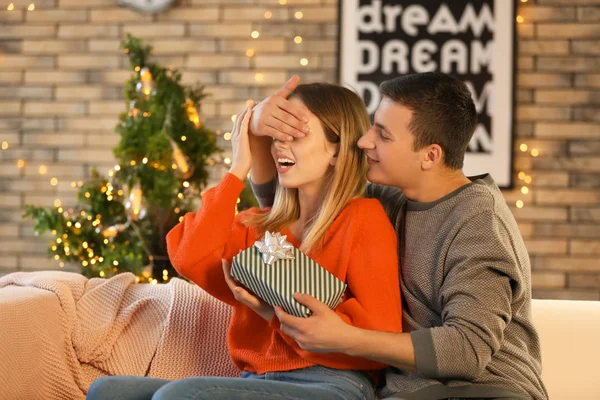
(303, 163)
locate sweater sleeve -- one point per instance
(481, 273)
(373, 284)
(199, 242)
(264, 192)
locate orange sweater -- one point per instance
(359, 248)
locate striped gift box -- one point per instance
(277, 283)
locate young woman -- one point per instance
(319, 207)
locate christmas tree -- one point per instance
(121, 221)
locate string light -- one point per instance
(250, 53)
(527, 179)
(255, 34)
(283, 2)
(233, 118)
(304, 62)
(117, 168)
(268, 14)
(31, 7)
(299, 15)
(523, 147)
(298, 39)
(54, 181)
(259, 77)
(145, 160)
(20, 163)
(535, 152)
(524, 190)
(183, 138)
(4, 145)
(227, 136)
(10, 7)
(43, 170)
(186, 184)
(227, 161)
(520, 19)
(519, 204)
(57, 203)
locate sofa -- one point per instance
(59, 331)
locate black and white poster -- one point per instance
(471, 40)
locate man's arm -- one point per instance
(274, 118)
(481, 279)
(326, 332)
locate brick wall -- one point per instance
(62, 76)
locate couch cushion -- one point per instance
(570, 337)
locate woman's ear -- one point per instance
(333, 160)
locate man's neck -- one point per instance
(434, 186)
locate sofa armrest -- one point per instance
(35, 352)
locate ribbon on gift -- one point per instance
(274, 247)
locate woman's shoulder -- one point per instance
(364, 210)
(365, 205)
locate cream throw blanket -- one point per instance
(59, 331)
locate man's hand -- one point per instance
(279, 118)
(244, 297)
(323, 332)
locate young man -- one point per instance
(465, 273)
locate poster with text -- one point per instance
(471, 40)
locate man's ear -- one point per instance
(434, 155)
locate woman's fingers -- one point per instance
(238, 121)
(246, 120)
(228, 278)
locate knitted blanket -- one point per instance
(59, 331)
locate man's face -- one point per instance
(388, 145)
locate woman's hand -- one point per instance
(242, 157)
(243, 296)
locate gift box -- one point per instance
(273, 269)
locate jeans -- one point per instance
(314, 383)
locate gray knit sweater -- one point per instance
(466, 288)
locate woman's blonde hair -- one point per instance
(344, 119)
